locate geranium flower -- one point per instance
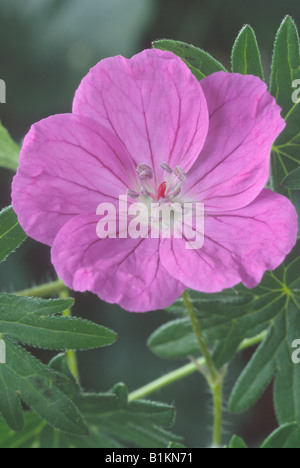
(146, 127)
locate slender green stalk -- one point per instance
(214, 378)
(45, 290)
(212, 370)
(184, 371)
(217, 393)
(71, 355)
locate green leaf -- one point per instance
(9, 150)
(287, 381)
(246, 58)
(226, 319)
(285, 65)
(47, 390)
(229, 317)
(256, 376)
(287, 436)
(237, 443)
(175, 445)
(25, 377)
(292, 181)
(31, 322)
(199, 62)
(113, 423)
(274, 355)
(174, 340)
(11, 233)
(25, 439)
(285, 70)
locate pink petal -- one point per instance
(233, 166)
(68, 165)
(123, 271)
(152, 102)
(239, 245)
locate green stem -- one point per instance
(217, 393)
(71, 355)
(185, 371)
(212, 370)
(214, 378)
(45, 290)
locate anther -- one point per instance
(175, 192)
(166, 168)
(132, 194)
(145, 192)
(179, 173)
(144, 172)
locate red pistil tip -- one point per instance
(162, 190)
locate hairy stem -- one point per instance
(217, 393)
(214, 378)
(45, 290)
(211, 368)
(71, 355)
(184, 371)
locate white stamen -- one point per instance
(179, 173)
(166, 168)
(144, 172)
(132, 194)
(176, 191)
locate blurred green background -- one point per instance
(47, 46)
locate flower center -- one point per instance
(166, 191)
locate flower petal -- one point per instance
(152, 102)
(233, 166)
(68, 165)
(124, 271)
(239, 245)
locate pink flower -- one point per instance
(151, 114)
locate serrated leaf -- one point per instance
(285, 70)
(153, 412)
(31, 322)
(11, 233)
(237, 443)
(121, 425)
(9, 150)
(34, 383)
(274, 355)
(246, 58)
(285, 65)
(199, 62)
(287, 436)
(97, 406)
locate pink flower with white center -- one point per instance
(146, 127)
